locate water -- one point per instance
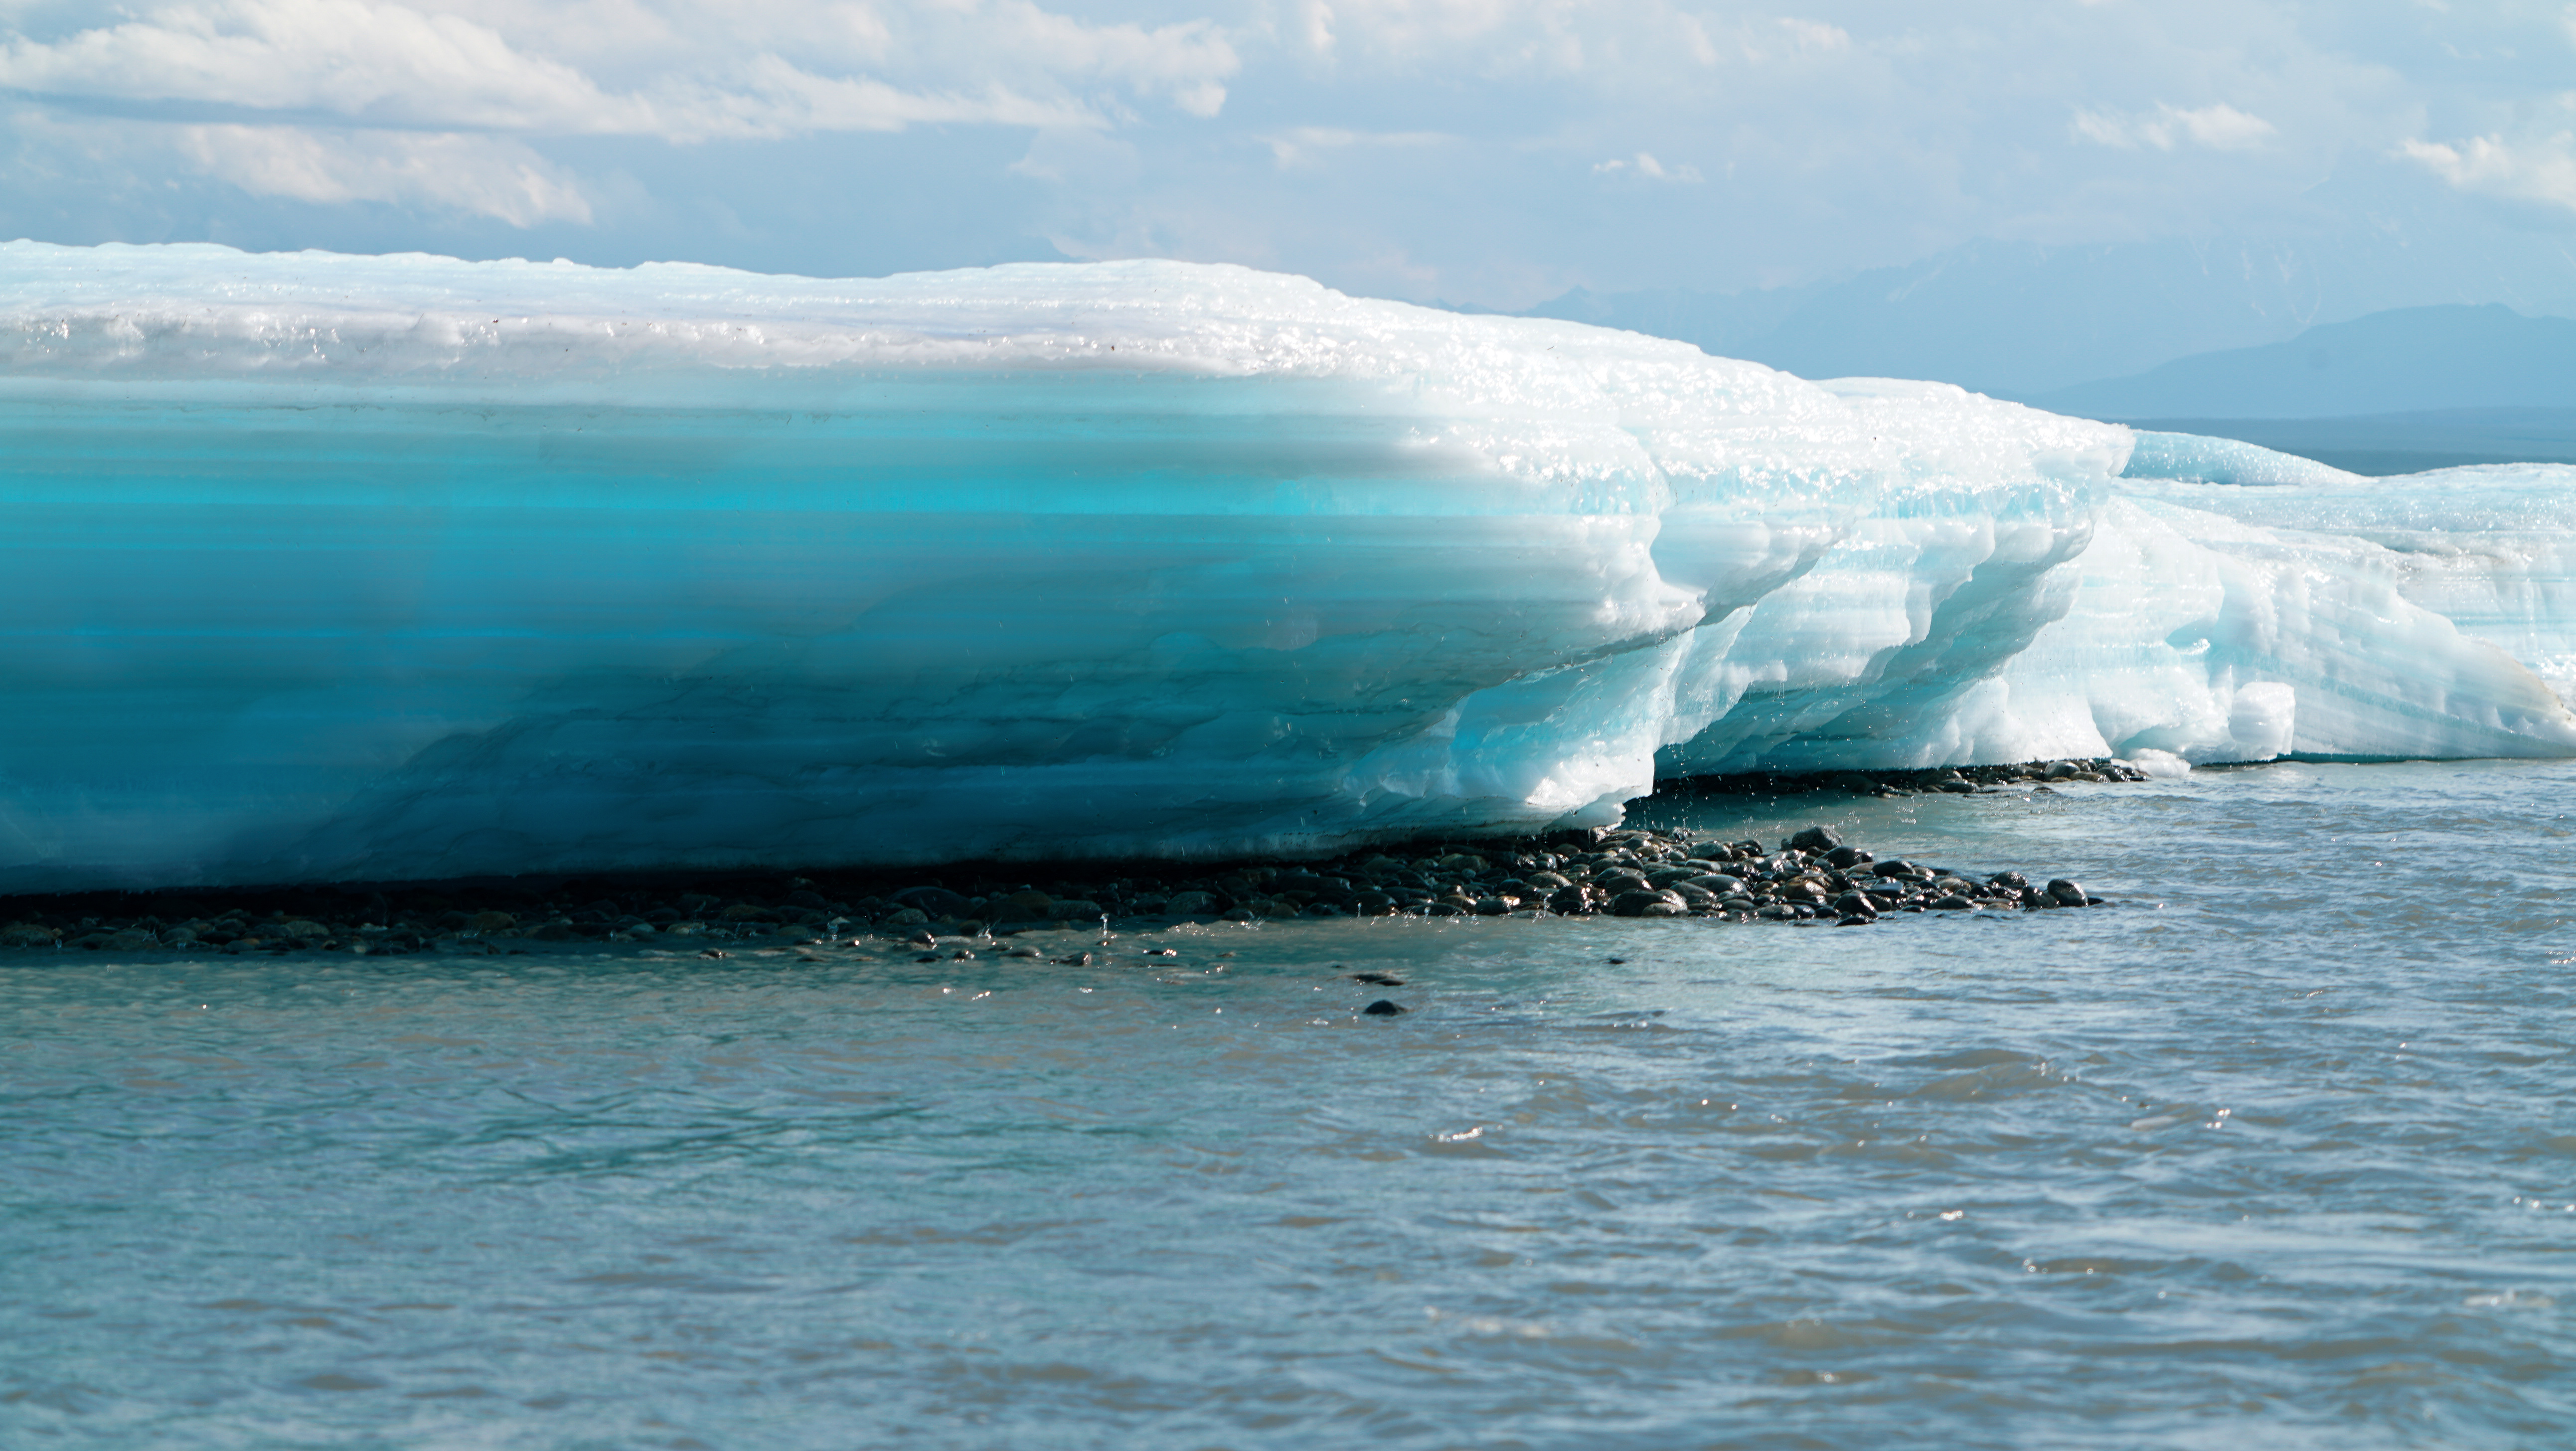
(2288, 1161)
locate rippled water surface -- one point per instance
(2287, 1161)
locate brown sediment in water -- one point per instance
(1627, 872)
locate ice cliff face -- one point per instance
(402, 566)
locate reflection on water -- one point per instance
(2289, 1160)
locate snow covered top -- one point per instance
(1537, 395)
(207, 310)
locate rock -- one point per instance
(901, 917)
(1569, 900)
(1954, 902)
(2034, 898)
(1671, 876)
(1647, 904)
(2067, 893)
(1853, 781)
(1496, 906)
(2013, 880)
(492, 922)
(2061, 770)
(1855, 904)
(27, 934)
(1775, 911)
(1549, 881)
(1193, 904)
(1620, 879)
(935, 901)
(1377, 979)
(1843, 858)
(1075, 910)
(1019, 906)
(1815, 839)
(1384, 1008)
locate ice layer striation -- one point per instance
(326, 566)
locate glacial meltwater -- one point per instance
(2277, 1152)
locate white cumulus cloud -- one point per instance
(378, 100)
(2219, 127)
(1644, 164)
(2542, 170)
(483, 175)
(1308, 145)
(357, 58)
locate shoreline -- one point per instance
(1636, 872)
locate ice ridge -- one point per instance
(325, 566)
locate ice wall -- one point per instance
(403, 566)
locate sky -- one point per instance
(1487, 152)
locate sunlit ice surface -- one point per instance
(316, 566)
(2275, 1153)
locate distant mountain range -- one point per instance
(2410, 360)
(2023, 321)
(2191, 339)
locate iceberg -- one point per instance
(331, 567)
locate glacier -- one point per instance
(335, 567)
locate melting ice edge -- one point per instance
(385, 567)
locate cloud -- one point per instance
(1816, 35)
(1644, 164)
(777, 99)
(438, 102)
(2219, 127)
(362, 59)
(1306, 145)
(390, 64)
(482, 175)
(2541, 170)
(1611, 43)
(1186, 62)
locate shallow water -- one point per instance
(2288, 1160)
